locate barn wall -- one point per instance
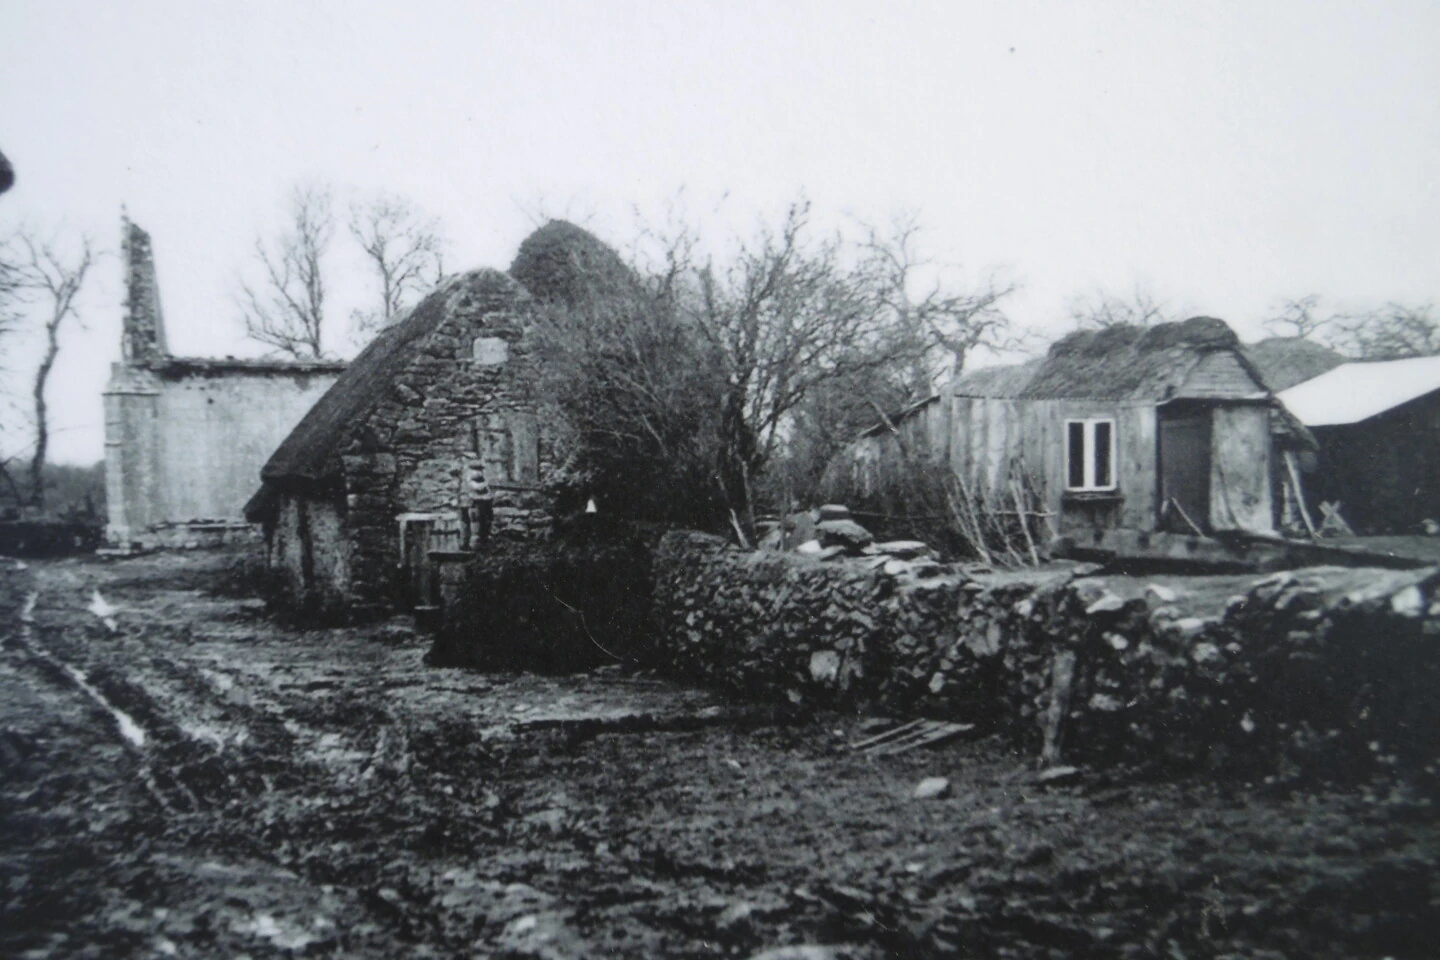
(1240, 468)
(132, 461)
(990, 443)
(998, 441)
(1385, 472)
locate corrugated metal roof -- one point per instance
(1358, 391)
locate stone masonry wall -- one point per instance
(470, 380)
(216, 430)
(1325, 670)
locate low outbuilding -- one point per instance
(1377, 425)
(1165, 428)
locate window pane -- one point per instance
(1102, 454)
(1075, 451)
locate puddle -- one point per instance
(129, 729)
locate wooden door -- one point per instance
(1185, 471)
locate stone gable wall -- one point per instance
(471, 379)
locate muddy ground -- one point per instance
(199, 781)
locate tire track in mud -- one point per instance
(127, 727)
(136, 737)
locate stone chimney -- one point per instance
(143, 339)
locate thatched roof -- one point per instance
(309, 452)
(1284, 362)
(999, 382)
(1147, 363)
(563, 263)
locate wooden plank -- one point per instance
(1299, 492)
(932, 735)
(890, 734)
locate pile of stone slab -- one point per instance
(830, 533)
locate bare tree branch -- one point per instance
(1393, 332)
(1141, 309)
(1299, 318)
(36, 271)
(404, 248)
(286, 310)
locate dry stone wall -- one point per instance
(1326, 670)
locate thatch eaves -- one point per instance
(1003, 382)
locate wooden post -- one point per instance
(1024, 523)
(1299, 493)
(1062, 685)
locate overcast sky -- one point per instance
(1223, 155)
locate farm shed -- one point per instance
(1377, 425)
(1161, 428)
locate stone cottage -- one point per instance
(185, 437)
(381, 475)
(379, 471)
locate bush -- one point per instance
(580, 601)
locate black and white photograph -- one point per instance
(815, 480)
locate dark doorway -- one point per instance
(1185, 471)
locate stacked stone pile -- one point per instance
(764, 622)
(1327, 669)
(830, 533)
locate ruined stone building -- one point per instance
(185, 437)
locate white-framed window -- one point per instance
(1090, 454)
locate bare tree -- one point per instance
(1394, 331)
(792, 315)
(940, 326)
(286, 310)
(1299, 318)
(10, 291)
(404, 248)
(11, 304)
(1141, 309)
(773, 351)
(37, 272)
